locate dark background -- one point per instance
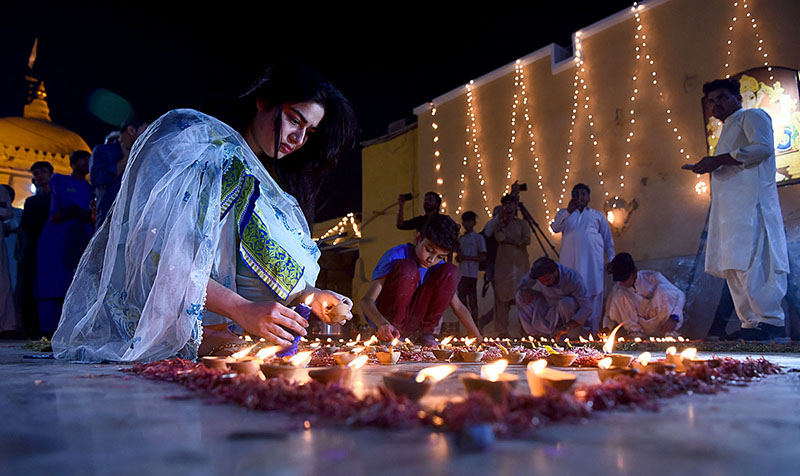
(161, 56)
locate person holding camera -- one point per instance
(511, 263)
(432, 204)
(586, 245)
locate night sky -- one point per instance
(199, 57)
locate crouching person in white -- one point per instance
(552, 300)
(644, 302)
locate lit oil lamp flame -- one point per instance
(358, 350)
(608, 347)
(681, 339)
(358, 362)
(371, 341)
(268, 352)
(492, 372)
(591, 338)
(672, 350)
(605, 363)
(689, 354)
(644, 358)
(314, 345)
(310, 299)
(468, 342)
(248, 338)
(445, 341)
(435, 373)
(582, 340)
(358, 338)
(407, 341)
(243, 352)
(301, 359)
(538, 366)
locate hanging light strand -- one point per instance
(473, 143)
(437, 158)
(520, 75)
(759, 40)
(576, 82)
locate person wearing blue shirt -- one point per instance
(411, 286)
(107, 165)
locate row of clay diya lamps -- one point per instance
(267, 366)
(614, 365)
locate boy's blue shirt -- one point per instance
(405, 251)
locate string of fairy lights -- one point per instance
(347, 221)
(519, 83)
(472, 142)
(437, 159)
(645, 74)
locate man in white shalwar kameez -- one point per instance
(644, 302)
(746, 240)
(586, 245)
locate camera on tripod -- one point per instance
(517, 187)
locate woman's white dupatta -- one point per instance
(192, 196)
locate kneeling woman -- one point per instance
(202, 240)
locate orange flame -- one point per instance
(608, 347)
(644, 358)
(689, 354)
(468, 342)
(267, 352)
(582, 340)
(408, 341)
(605, 363)
(309, 299)
(435, 373)
(371, 341)
(492, 372)
(243, 352)
(358, 362)
(672, 350)
(445, 341)
(591, 338)
(301, 359)
(537, 367)
(358, 350)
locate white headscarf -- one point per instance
(193, 195)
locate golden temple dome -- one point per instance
(32, 138)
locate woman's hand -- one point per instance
(272, 321)
(325, 303)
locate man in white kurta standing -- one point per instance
(586, 246)
(746, 241)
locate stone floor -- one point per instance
(65, 419)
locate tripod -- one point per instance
(536, 229)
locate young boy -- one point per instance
(471, 252)
(411, 286)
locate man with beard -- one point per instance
(746, 239)
(432, 204)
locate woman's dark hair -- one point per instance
(293, 82)
(442, 231)
(621, 267)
